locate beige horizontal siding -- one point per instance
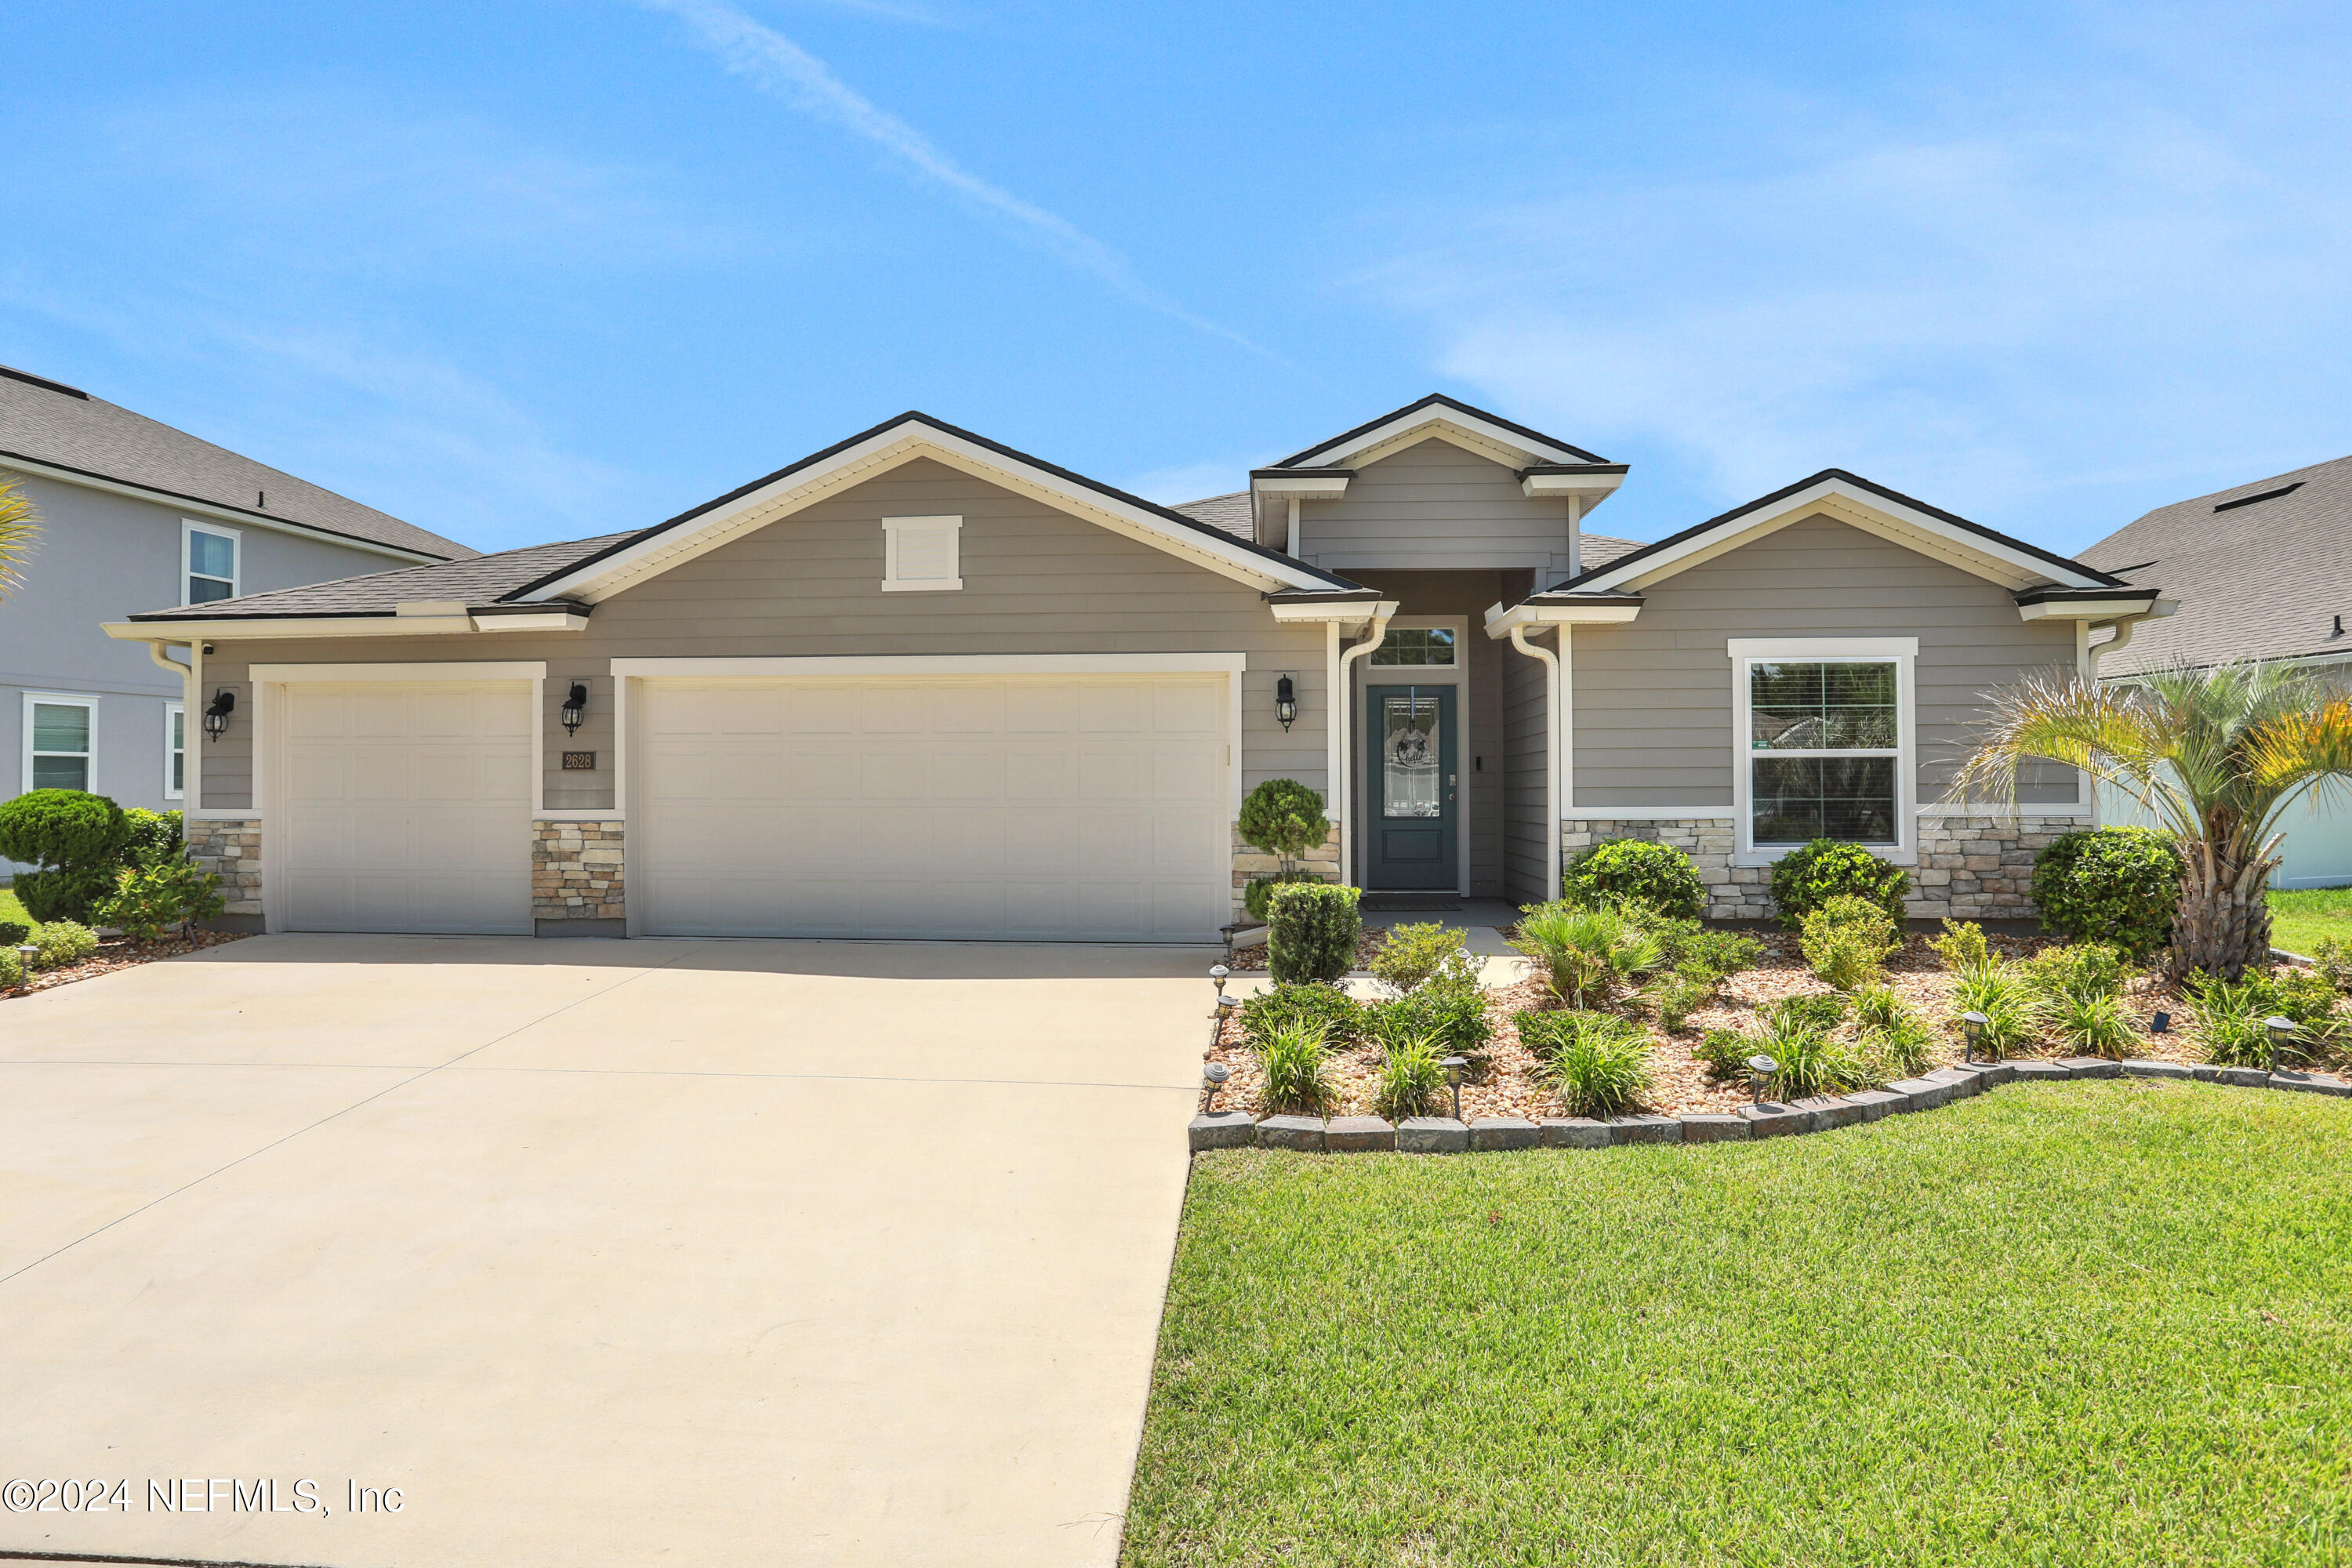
(1434, 505)
(1654, 701)
(1036, 580)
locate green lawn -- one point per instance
(2301, 917)
(2076, 1323)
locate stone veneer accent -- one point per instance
(232, 851)
(1323, 860)
(576, 871)
(1969, 867)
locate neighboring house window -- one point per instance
(60, 741)
(1417, 645)
(921, 552)
(175, 751)
(211, 562)
(1825, 732)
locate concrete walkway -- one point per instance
(602, 1253)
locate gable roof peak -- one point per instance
(1437, 407)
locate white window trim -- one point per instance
(175, 710)
(1458, 624)
(69, 699)
(189, 529)
(892, 582)
(1902, 653)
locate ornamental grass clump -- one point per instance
(2000, 993)
(1295, 1060)
(1848, 941)
(1312, 929)
(1411, 1080)
(1339, 1016)
(2233, 1016)
(1893, 1037)
(1809, 1060)
(1599, 1067)
(1587, 955)
(2075, 995)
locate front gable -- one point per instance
(1438, 503)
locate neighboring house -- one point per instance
(921, 684)
(2262, 570)
(133, 513)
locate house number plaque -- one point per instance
(579, 762)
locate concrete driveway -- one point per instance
(599, 1252)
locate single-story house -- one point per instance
(2262, 570)
(919, 684)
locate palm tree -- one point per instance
(2214, 755)
(19, 526)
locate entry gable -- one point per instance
(888, 445)
(1488, 435)
(1849, 499)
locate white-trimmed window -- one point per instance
(922, 553)
(60, 741)
(175, 751)
(211, 561)
(1417, 647)
(1824, 741)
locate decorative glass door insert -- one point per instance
(1410, 776)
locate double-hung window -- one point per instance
(60, 735)
(1825, 742)
(210, 560)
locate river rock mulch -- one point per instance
(121, 954)
(1508, 1085)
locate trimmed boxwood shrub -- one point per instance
(1807, 877)
(2117, 885)
(1638, 871)
(1339, 1016)
(1258, 889)
(76, 841)
(1311, 931)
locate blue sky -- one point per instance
(546, 269)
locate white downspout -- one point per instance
(1551, 773)
(1346, 697)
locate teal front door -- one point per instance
(1415, 789)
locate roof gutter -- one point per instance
(250, 628)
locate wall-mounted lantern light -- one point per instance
(1286, 703)
(223, 703)
(575, 708)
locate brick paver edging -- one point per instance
(1444, 1135)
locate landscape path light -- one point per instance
(2281, 1035)
(1760, 1069)
(1972, 1033)
(25, 956)
(1453, 1066)
(1214, 1075)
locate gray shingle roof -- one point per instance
(476, 580)
(44, 422)
(1600, 549)
(1229, 512)
(2265, 579)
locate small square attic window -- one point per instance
(922, 553)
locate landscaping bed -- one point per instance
(2096, 1322)
(119, 954)
(1508, 1084)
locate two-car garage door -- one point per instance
(1054, 807)
(1084, 807)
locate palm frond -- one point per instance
(20, 527)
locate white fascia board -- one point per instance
(344, 674)
(1340, 453)
(886, 449)
(1538, 485)
(1304, 487)
(299, 627)
(1500, 621)
(1988, 558)
(1821, 647)
(1354, 613)
(2088, 609)
(976, 665)
(221, 513)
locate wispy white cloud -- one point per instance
(2016, 319)
(776, 65)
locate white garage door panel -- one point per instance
(403, 808)
(1038, 807)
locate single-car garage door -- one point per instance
(1037, 808)
(401, 807)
